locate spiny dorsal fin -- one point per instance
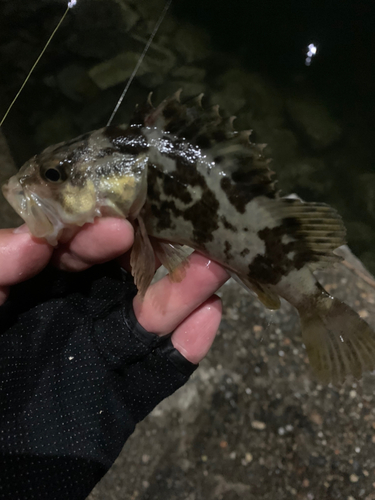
(229, 151)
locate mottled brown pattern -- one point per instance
(275, 263)
(203, 214)
(240, 194)
(227, 249)
(161, 210)
(173, 186)
(235, 198)
(164, 212)
(204, 217)
(227, 224)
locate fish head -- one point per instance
(71, 183)
(50, 193)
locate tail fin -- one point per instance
(338, 341)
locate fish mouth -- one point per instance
(38, 214)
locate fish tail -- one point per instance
(338, 342)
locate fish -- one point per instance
(187, 179)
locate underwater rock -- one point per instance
(307, 174)
(282, 145)
(359, 230)
(130, 15)
(263, 99)
(58, 127)
(188, 88)
(315, 123)
(100, 29)
(148, 10)
(118, 69)
(189, 73)
(192, 43)
(75, 84)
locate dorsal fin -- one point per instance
(229, 151)
(312, 231)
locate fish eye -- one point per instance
(52, 174)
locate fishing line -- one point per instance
(71, 4)
(140, 60)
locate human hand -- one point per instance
(72, 347)
(188, 308)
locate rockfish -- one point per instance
(185, 177)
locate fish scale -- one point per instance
(186, 178)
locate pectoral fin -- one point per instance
(142, 259)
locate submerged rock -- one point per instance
(313, 120)
(119, 69)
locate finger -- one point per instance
(21, 256)
(167, 304)
(102, 241)
(194, 336)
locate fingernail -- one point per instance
(21, 229)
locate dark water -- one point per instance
(272, 37)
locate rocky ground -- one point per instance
(251, 423)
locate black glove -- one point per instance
(77, 372)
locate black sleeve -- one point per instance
(77, 372)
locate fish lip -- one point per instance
(38, 214)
